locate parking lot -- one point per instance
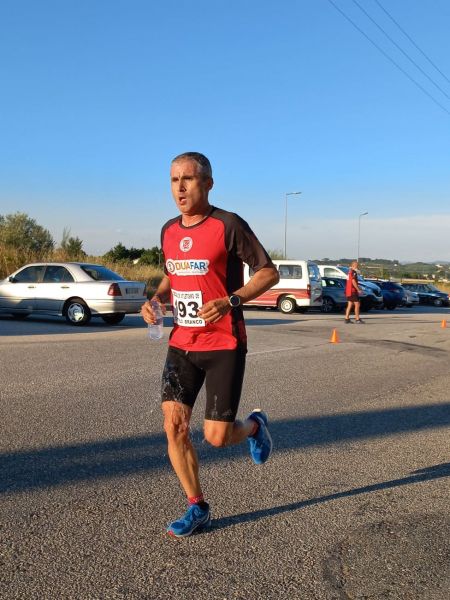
(353, 503)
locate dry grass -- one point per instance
(12, 259)
(151, 275)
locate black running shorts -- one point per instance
(221, 370)
(353, 298)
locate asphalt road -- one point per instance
(354, 502)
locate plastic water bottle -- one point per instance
(155, 330)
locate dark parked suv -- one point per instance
(428, 293)
(393, 293)
(333, 294)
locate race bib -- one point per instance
(185, 308)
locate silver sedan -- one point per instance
(75, 290)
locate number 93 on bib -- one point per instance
(185, 308)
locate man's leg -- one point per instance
(348, 310)
(181, 383)
(182, 454)
(220, 433)
(185, 464)
(357, 306)
(224, 377)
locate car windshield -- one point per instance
(100, 273)
(431, 288)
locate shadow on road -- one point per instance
(59, 465)
(38, 325)
(427, 474)
(274, 321)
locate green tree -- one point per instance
(134, 253)
(118, 253)
(20, 231)
(153, 256)
(72, 246)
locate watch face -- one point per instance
(235, 301)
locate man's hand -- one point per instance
(214, 310)
(147, 311)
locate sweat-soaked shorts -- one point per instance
(222, 371)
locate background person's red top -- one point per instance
(350, 289)
(205, 262)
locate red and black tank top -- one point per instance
(205, 262)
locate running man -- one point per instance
(204, 250)
(352, 292)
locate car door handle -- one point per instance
(64, 287)
(31, 287)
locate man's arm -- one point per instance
(355, 283)
(162, 295)
(260, 282)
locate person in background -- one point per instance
(352, 291)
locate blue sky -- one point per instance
(98, 96)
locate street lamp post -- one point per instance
(359, 229)
(285, 218)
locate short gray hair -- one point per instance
(204, 166)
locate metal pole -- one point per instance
(285, 226)
(285, 219)
(359, 229)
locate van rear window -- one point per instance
(313, 271)
(290, 271)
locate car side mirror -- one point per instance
(12, 279)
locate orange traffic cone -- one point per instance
(334, 337)
(444, 324)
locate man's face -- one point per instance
(189, 189)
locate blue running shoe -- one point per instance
(195, 517)
(260, 443)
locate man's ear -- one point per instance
(209, 183)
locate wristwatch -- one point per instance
(234, 300)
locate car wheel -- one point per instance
(77, 312)
(113, 319)
(19, 316)
(437, 302)
(287, 305)
(391, 306)
(328, 305)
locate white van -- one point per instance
(299, 288)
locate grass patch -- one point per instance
(12, 259)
